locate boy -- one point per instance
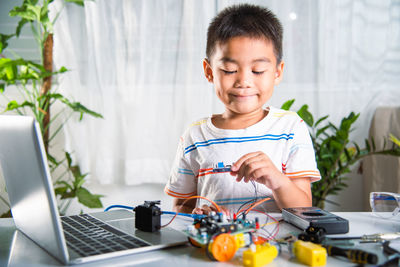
(268, 147)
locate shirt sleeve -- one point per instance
(301, 156)
(182, 181)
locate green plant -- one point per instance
(394, 140)
(334, 152)
(34, 82)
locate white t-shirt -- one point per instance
(206, 152)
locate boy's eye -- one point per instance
(228, 71)
(258, 72)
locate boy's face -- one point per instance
(244, 73)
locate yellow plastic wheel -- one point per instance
(223, 247)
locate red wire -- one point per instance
(277, 227)
(173, 218)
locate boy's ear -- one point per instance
(279, 73)
(208, 70)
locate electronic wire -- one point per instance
(275, 231)
(119, 206)
(246, 210)
(209, 200)
(193, 215)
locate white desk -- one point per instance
(18, 250)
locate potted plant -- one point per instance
(34, 81)
(334, 152)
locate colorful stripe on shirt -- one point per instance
(210, 142)
(185, 171)
(303, 174)
(178, 195)
(204, 172)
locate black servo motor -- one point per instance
(148, 216)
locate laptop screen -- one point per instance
(29, 186)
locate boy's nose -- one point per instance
(243, 80)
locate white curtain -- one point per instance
(139, 64)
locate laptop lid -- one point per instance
(27, 176)
(33, 203)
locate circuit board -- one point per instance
(202, 230)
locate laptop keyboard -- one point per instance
(89, 236)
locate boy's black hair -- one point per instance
(245, 20)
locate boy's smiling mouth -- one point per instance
(243, 96)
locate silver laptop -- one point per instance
(70, 239)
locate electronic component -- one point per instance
(313, 234)
(220, 237)
(309, 253)
(221, 167)
(315, 217)
(148, 216)
(259, 255)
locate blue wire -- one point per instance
(194, 216)
(118, 206)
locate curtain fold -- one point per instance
(139, 63)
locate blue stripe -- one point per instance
(237, 140)
(185, 171)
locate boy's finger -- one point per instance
(206, 209)
(246, 166)
(197, 211)
(239, 162)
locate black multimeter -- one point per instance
(305, 217)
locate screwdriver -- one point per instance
(355, 255)
(371, 238)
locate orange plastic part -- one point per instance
(223, 247)
(195, 243)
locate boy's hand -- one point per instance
(258, 167)
(207, 209)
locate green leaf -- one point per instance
(12, 105)
(4, 41)
(26, 11)
(52, 159)
(62, 70)
(2, 87)
(78, 2)
(76, 106)
(320, 120)
(44, 19)
(67, 185)
(88, 199)
(80, 181)
(347, 153)
(287, 104)
(373, 143)
(68, 157)
(333, 126)
(322, 130)
(336, 145)
(306, 115)
(368, 147)
(21, 24)
(61, 190)
(394, 139)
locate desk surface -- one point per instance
(18, 250)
